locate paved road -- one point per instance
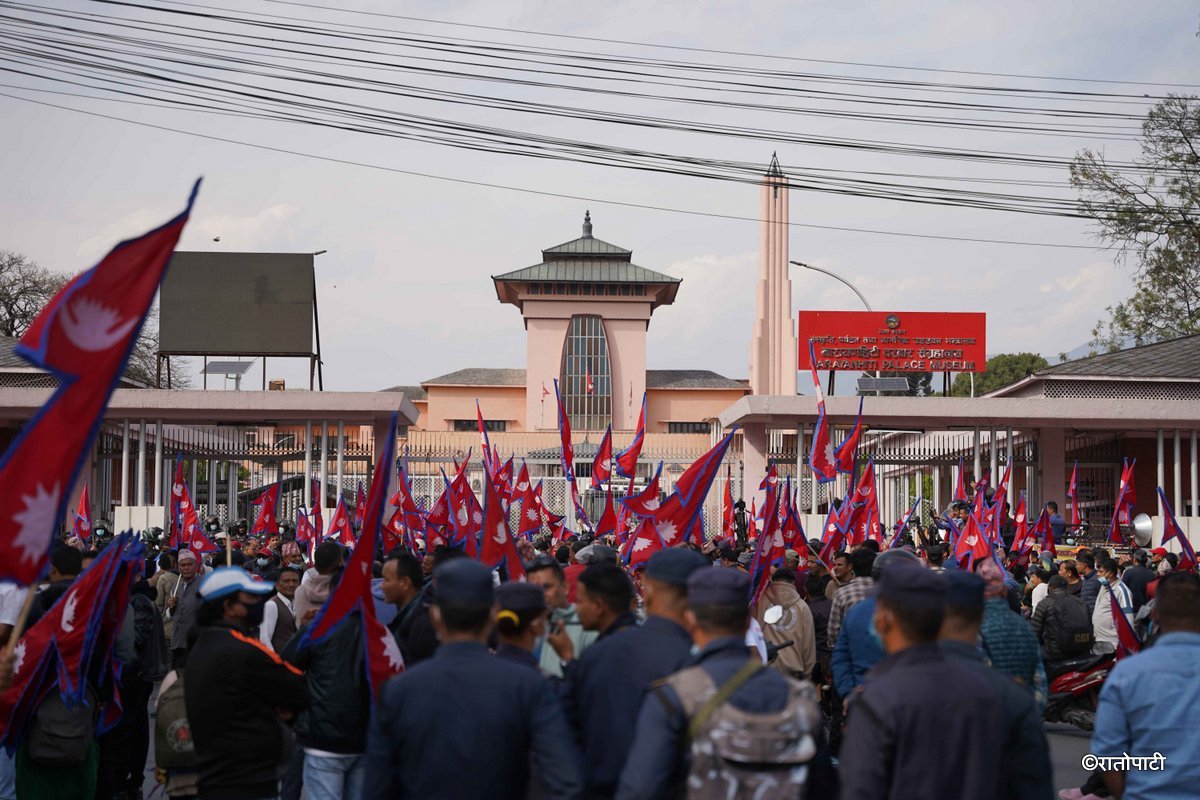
(1068, 745)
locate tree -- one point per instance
(25, 289)
(1149, 213)
(1001, 370)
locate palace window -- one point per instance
(585, 356)
(490, 425)
(687, 427)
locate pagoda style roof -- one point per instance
(587, 260)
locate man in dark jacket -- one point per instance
(1085, 562)
(605, 711)
(660, 760)
(1054, 615)
(403, 585)
(65, 565)
(464, 723)
(333, 729)
(1025, 769)
(238, 692)
(1137, 577)
(914, 696)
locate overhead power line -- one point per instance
(539, 192)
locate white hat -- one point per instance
(227, 580)
(185, 554)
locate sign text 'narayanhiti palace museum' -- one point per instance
(908, 341)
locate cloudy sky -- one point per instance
(404, 288)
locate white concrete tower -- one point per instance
(773, 348)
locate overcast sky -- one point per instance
(405, 292)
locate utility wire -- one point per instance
(542, 193)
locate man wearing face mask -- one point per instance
(238, 692)
(915, 696)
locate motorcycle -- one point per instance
(1075, 688)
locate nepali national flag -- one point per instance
(483, 436)
(61, 650)
(770, 481)
(680, 513)
(960, 486)
(82, 526)
(413, 516)
(540, 498)
(268, 503)
(339, 524)
(498, 542)
(1073, 496)
(588, 386)
(1128, 642)
(752, 522)
(1022, 541)
(1043, 533)
(768, 550)
(821, 458)
(728, 517)
(305, 531)
(1126, 497)
(504, 479)
(353, 592)
(608, 520)
(647, 501)
(174, 516)
(83, 337)
(627, 459)
(902, 523)
(531, 510)
(360, 506)
(194, 537)
(466, 515)
(1172, 531)
(1000, 499)
(793, 530)
(601, 464)
(862, 522)
(564, 434)
(846, 454)
(973, 544)
(644, 543)
(318, 492)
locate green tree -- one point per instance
(1149, 213)
(1002, 370)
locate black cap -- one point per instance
(912, 586)
(714, 586)
(728, 554)
(463, 582)
(674, 565)
(523, 599)
(964, 589)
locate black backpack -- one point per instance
(62, 735)
(1072, 626)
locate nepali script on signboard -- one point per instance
(894, 341)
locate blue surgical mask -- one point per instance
(874, 632)
(1104, 581)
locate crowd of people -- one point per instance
(890, 673)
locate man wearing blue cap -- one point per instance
(236, 690)
(604, 688)
(1025, 769)
(726, 700)
(914, 696)
(463, 723)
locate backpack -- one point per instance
(1072, 626)
(173, 745)
(737, 753)
(61, 735)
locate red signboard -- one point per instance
(894, 341)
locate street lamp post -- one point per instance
(846, 283)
